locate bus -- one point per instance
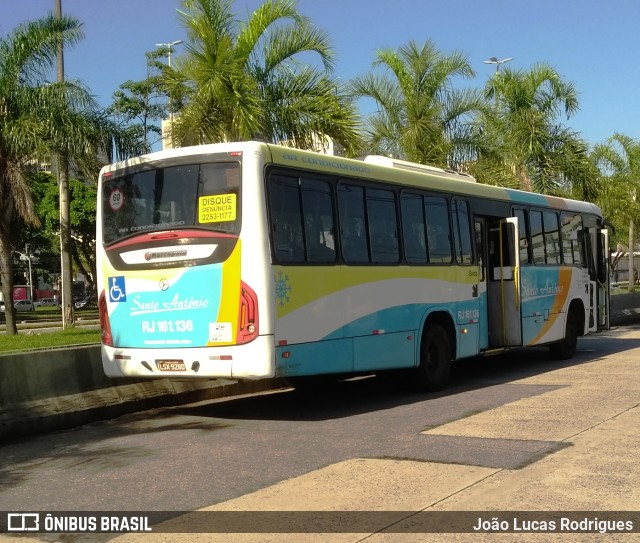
(250, 261)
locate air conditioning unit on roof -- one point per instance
(380, 160)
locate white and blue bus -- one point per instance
(250, 261)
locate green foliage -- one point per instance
(138, 104)
(39, 119)
(523, 132)
(247, 80)
(420, 117)
(83, 222)
(618, 160)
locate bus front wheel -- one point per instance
(435, 360)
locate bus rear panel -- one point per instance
(176, 296)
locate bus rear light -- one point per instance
(105, 325)
(248, 315)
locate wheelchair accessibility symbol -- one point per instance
(117, 291)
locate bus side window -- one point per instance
(537, 239)
(286, 219)
(318, 221)
(552, 237)
(355, 245)
(383, 229)
(571, 240)
(462, 231)
(438, 230)
(523, 239)
(414, 229)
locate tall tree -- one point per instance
(62, 162)
(82, 216)
(24, 104)
(421, 116)
(619, 161)
(39, 118)
(137, 104)
(524, 131)
(249, 80)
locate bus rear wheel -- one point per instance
(566, 348)
(435, 361)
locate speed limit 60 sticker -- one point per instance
(116, 199)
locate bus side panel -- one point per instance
(470, 326)
(315, 358)
(377, 312)
(546, 294)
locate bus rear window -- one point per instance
(184, 196)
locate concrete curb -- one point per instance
(625, 308)
(64, 388)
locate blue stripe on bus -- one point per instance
(382, 340)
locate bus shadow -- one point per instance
(381, 392)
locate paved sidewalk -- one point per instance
(593, 412)
(589, 410)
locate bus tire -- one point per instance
(566, 348)
(435, 359)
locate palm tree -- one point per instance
(524, 132)
(619, 161)
(38, 119)
(420, 116)
(24, 55)
(240, 81)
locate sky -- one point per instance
(595, 44)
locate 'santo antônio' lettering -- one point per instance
(176, 303)
(186, 303)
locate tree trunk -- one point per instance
(66, 268)
(6, 274)
(632, 271)
(66, 263)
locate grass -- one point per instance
(32, 340)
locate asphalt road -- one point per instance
(188, 457)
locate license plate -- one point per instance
(171, 365)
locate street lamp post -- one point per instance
(498, 63)
(169, 47)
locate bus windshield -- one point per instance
(203, 195)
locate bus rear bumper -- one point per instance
(254, 360)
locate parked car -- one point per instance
(46, 302)
(24, 305)
(89, 301)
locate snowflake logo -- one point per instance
(283, 288)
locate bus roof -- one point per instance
(421, 176)
(375, 168)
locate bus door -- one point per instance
(597, 256)
(481, 288)
(602, 279)
(504, 296)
